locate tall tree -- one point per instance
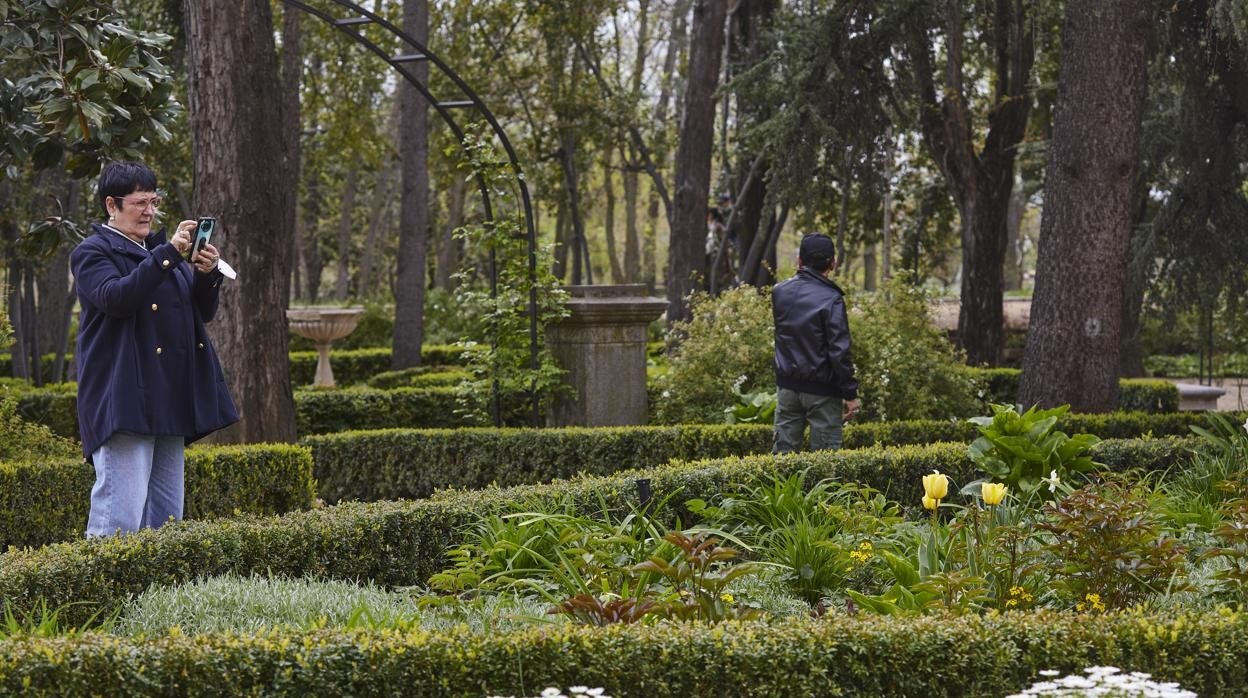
(693, 157)
(240, 169)
(980, 178)
(409, 292)
(1094, 158)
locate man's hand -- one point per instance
(851, 409)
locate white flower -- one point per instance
(1053, 481)
(1246, 425)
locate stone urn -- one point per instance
(323, 326)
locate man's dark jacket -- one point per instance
(812, 337)
(145, 362)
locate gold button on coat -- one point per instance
(154, 307)
(201, 345)
(165, 264)
(158, 351)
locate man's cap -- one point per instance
(817, 248)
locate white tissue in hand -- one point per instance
(226, 270)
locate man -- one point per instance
(814, 366)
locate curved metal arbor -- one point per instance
(413, 53)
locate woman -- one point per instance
(148, 378)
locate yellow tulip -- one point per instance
(935, 485)
(992, 492)
(930, 504)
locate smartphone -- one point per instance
(203, 233)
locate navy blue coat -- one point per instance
(145, 362)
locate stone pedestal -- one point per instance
(602, 344)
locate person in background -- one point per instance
(814, 363)
(149, 381)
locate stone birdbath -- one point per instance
(323, 326)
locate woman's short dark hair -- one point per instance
(121, 178)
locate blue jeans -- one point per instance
(794, 410)
(138, 483)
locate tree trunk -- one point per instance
(693, 157)
(632, 238)
(409, 297)
(240, 176)
(979, 181)
(608, 223)
(676, 41)
(313, 262)
(366, 279)
(292, 123)
(346, 223)
(449, 248)
(1013, 280)
(1073, 347)
(571, 179)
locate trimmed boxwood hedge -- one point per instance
(353, 366)
(866, 655)
(1135, 394)
(410, 464)
(43, 503)
(404, 542)
(316, 411)
(403, 463)
(329, 411)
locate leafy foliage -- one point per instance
(726, 347)
(91, 86)
(1026, 452)
(906, 367)
(502, 363)
(1109, 545)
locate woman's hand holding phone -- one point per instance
(205, 260)
(182, 237)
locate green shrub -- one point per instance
(317, 411)
(906, 367)
(1234, 365)
(352, 366)
(419, 377)
(328, 411)
(412, 463)
(836, 656)
(1135, 394)
(394, 464)
(729, 341)
(403, 543)
(47, 501)
(22, 440)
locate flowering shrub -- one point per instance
(726, 349)
(906, 367)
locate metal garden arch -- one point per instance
(413, 53)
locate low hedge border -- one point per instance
(317, 411)
(410, 464)
(350, 365)
(404, 542)
(353, 366)
(1134, 394)
(843, 656)
(330, 411)
(43, 503)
